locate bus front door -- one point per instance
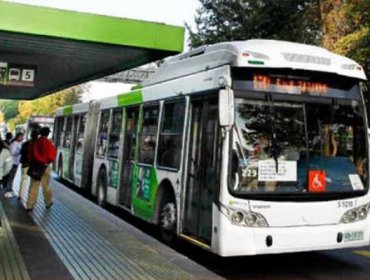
(132, 117)
(203, 169)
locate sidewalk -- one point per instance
(76, 239)
(11, 261)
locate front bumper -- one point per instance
(232, 240)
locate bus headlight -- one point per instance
(248, 219)
(237, 217)
(243, 217)
(251, 219)
(356, 214)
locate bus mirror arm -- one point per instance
(226, 107)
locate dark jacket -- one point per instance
(26, 153)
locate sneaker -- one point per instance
(9, 194)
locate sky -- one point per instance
(174, 12)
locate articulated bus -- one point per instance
(35, 122)
(242, 148)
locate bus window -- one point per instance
(115, 131)
(148, 134)
(80, 133)
(68, 134)
(170, 137)
(337, 133)
(305, 141)
(101, 146)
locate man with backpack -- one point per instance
(26, 154)
(43, 153)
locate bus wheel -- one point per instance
(167, 220)
(102, 188)
(60, 168)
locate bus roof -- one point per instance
(126, 98)
(73, 109)
(257, 54)
(251, 53)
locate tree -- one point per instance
(9, 108)
(346, 30)
(355, 40)
(342, 26)
(333, 21)
(18, 112)
(223, 20)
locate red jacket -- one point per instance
(43, 151)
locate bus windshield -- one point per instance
(298, 147)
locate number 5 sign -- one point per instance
(28, 75)
(21, 75)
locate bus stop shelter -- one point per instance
(44, 50)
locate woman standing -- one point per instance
(6, 164)
(15, 150)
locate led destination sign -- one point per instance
(256, 82)
(286, 85)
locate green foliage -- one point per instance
(356, 41)
(18, 112)
(356, 45)
(224, 20)
(342, 26)
(9, 108)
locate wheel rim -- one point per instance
(168, 216)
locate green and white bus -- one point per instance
(35, 122)
(243, 148)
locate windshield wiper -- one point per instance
(274, 144)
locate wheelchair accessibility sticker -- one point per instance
(317, 181)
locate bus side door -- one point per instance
(203, 167)
(128, 159)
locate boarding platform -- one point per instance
(76, 239)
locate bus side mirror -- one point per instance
(226, 107)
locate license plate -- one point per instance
(353, 236)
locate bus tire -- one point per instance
(167, 220)
(101, 193)
(60, 168)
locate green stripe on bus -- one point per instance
(130, 98)
(73, 25)
(67, 110)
